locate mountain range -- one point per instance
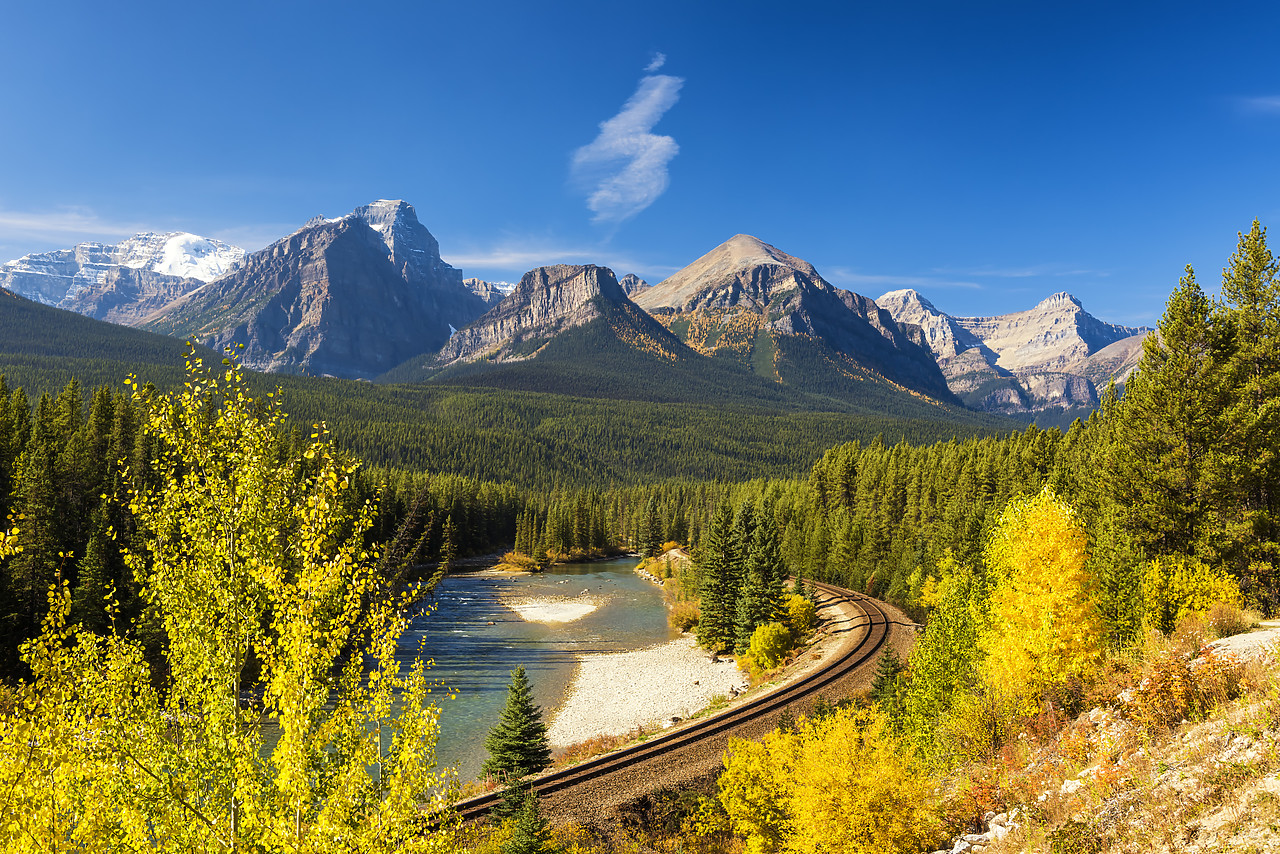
(1053, 356)
(124, 281)
(367, 295)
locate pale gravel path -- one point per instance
(613, 693)
(1252, 644)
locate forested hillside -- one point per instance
(579, 417)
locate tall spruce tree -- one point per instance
(88, 599)
(1164, 426)
(1244, 470)
(760, 601)
(717, 590)
(517, 744)
(887, 683)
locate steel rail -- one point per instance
(873, 639)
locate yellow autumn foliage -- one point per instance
(246, 555)
(1042, 626)
(1175, 586)
(802, 615)
(837, 784)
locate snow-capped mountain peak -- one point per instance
(62, 276)
(177, 253)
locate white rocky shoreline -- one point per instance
(614, 693)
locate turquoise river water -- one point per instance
(476, 641)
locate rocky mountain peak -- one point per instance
(1053, 355)
(743, 251)
(546, 301)
(491, 292)
(159, 266)
(567, 286)
(742, 270)
(352, 296)
(906, 299)
(633, 284)
(944, 336)
(1058, 302)
(746, 291)
(396, 221)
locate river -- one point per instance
(475, 641)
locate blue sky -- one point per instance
(986, 153)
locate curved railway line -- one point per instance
(716, 728)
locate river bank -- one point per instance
(482, 625)
(614, 693)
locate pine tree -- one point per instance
(39, 563)
(517, 745)
(886, 684)
(761, 599)
(1164, 427)
(1245, 466)
(448, 546)
(530, 831)
(88, 599)
(651, 530)
(716, 588)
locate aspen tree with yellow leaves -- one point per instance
(837, 784)
(283, 721)
(1043, 625)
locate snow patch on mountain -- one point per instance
(190, 256)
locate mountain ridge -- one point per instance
(351, 296)
(749, 300)
(1054, 355)
(121, 281)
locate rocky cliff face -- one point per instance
(1053, 355)
(121, 281)
(351, 297)
(491, 292)
(547, 301)
(748, 299)
(633, 284)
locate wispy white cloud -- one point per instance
(517, 258)
(846, 276)
(624, 169)
(73, 224)
(1261, 104)
(659, 60)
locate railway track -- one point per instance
(873, 619)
